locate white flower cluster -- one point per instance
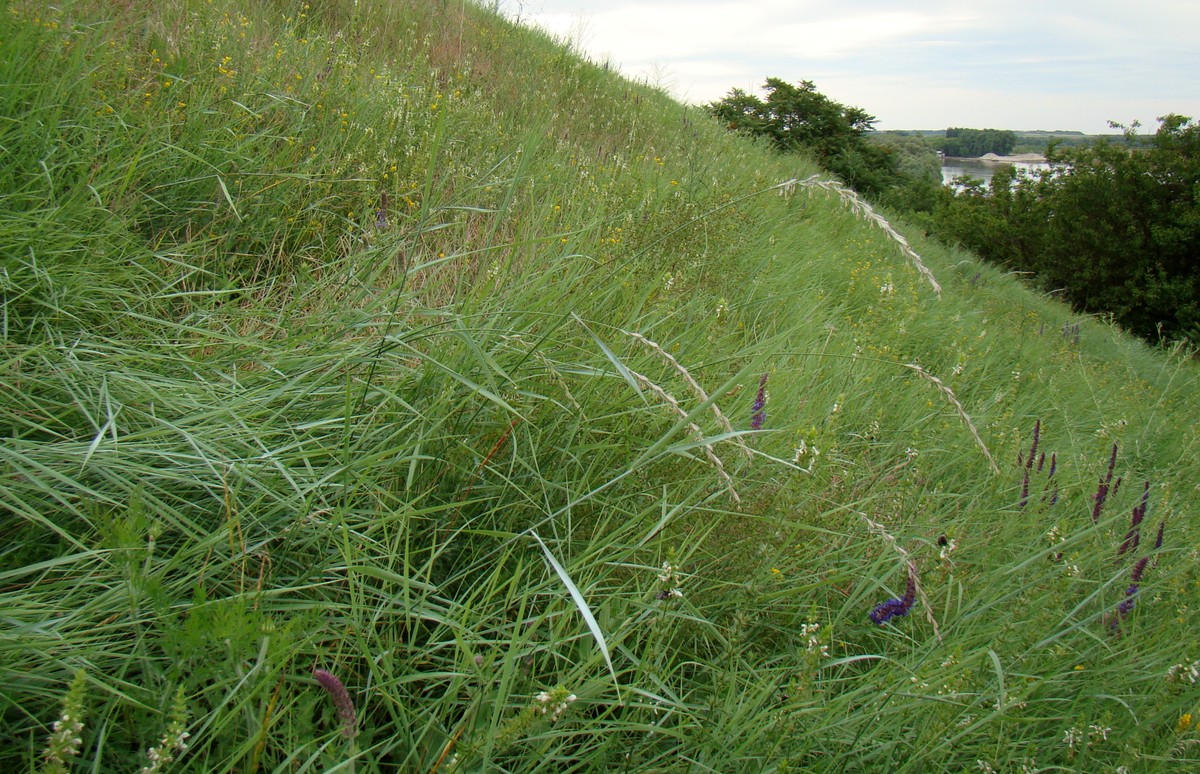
(66, 740)
(668, 580)
(164, 753)
(554, 703)
(1184, 673)
(1074, 738)
(814, 644)
(174, 740)
(806, 452)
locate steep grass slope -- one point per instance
(546, 421)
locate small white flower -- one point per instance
(813, 639)
(1189, 673)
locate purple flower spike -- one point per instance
(1102, 490)
(1138, 570)
(1134, 535)
(760, 405)
(886, 611)
(894, 608)
(341, 700)
(1127, 603)
(1131, 593)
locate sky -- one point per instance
(922, 64)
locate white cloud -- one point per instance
(1017, 64)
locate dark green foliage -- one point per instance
(800, 118)
(978, 142)
(1113, 227)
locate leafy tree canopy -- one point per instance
(978, 142)
(1113, 226)
(798, 118)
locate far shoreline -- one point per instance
(992, 158)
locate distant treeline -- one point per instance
(978, 142)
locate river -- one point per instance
(983, 170)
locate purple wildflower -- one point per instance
(1049, 479)
(341, 700)
(1134, 535)
(760, 405)
(381, 220)
(1158, 540)
(1131, 593)
(1102, 490)
(1037, 434)
(895, 607)
(1139, 569)
(1127, 603)
(1024, 490)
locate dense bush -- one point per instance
(800, 118)
(978, 142)
(1114, 228)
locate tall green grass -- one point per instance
(399, 342)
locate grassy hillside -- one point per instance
(387, 388)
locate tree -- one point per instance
(798, 118)
(1114, 226)
(969, 143)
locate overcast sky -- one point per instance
(923, 64)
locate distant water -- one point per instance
(983, 170)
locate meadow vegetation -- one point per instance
(388, 388)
